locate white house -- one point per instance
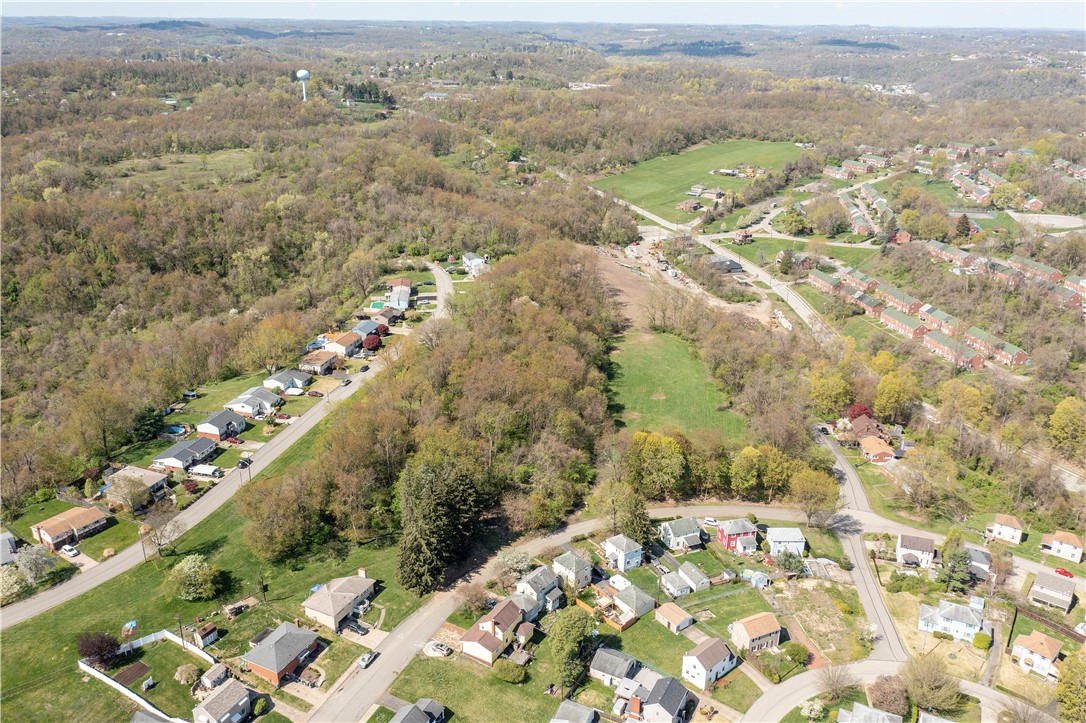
(574, 569)
(707, 663)
(333, 602)
(1007, 528)
(183, 455)
(622, 553)
(475, 264)
(611, 667)
(693, 575)
(538, 591)
(915, 551)
(254, 402)
(1053, 590)
(344, 344)
(681, 534)
(288, 379)
(7, 548)
(1037, 653)
(1064, 545)
(963, 622)
(783, 539)
(674, 585)
(221, 425)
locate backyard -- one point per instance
(652, 644)
(163, 659)
(658, 385)
(737, 690)
(717, 607)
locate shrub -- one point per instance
(97, 647)
(509, 672)
(190, 486)
(812, 709)
(889, 693)
(940, 635)
(260, 707)
(186, 674)
(752, 518)
(846, 563)
(982, 641)
(796, 652)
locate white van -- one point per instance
(206, 470)
(294, 392)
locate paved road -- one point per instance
(444, 290)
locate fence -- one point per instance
(155, 637)
(1069, 632)
(141, 702)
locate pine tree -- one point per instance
(633, 519)
(420, 569)
(962, 228)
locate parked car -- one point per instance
(69, 551)
(282, 416)
(711, 522)
(1064, 571)
(189, 396)
(243, 463)
(345, 382)
(443, 649)
(364, 368)
(365, 660)
(356, 628)
(233, 440)
(315, 394)
(427, 283)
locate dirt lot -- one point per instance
(1028, 686)
(831, 630)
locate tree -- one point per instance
(382, 329)
(962, 227)
(90, 489)
(1071, 690)
(475, 598)
(193, 578)
(836, 681)
(859, 410)
(933, 226)
(12, 583)
(34, 562)
(99, 419)
(924, 475)
(147, 423)
(569, 639)
(1001, 567)
(162, 527)
(982, 641)
(792, 223)
(260, 706)
(372, 342)
(1007, 196)
(98, 648)
(812, 709)
(896, 394)
(954, 574)
(274, 341)
(796, 652)
(656, 464)
(929, 684)
(883, 363)
(510, 672)
(889, 693)
(830, 393)
(633, 520)
(512, 565)
(1067, 428)
(420, 568)
(186, 674)
(791, 562)
(814, 492)
(130, 492)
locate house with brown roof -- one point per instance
(69, 527)
(690, 205)
(673, 617)
(344, 344)
(876, 451)
(1037, 653)
(1063, 544)
(756, 632)
(1005, 527)
(494, 632)
(388, 315)
(707, 663)
(318, 362)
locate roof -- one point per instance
(483, 637)
(635, 598)
(347, 338)
(318, 357)
(683, 527)
(896, 293)
(861, 713)
(759, 624)
(220, 420)
(710, 651)
(904, 319)
(286, 375)
(693, 573)
(188, 451)
(504, 615)
(280, 647)
(147, 477)
(672, 613)
(669, 694)
(1009, 521)
(472, 256)
(954, 612)
(572, 561)
(622, 543)
(259, 394)
(824, 277)
(614, 663)
(215, 671)
(784, 534)
(572, 712)
(540, 579)
(365, 328)
(7, 548)
(223, 699)
(741, 526)
(1055, 583)
(875, 445)
(913, 542)
(672, 580)
(339, 595)
(75, 518)
(525, 630)
(1065, 537)
(1038, 642)
(402, 281)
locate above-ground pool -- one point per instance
(175, 429)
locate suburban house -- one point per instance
(875, 450)
(861, 713)
(1037, 653)
(611, 667)
(838, 172)
(1032, 203)
(1065, 294)
(344, 344)
(665, 703)
(399, 294)
(720, 262)
(673, 617)
(1004, 274)
(693, 575)
(823, 281)
(1001, 351)
(907, 326)
(710, 661)
(289, 379)
(857, 166)
(254, 402)
(574, 569)
(7, 548)
(228, 703)
(221, 425)
(365, 328)
(938, 320)
(630, 601)
(622, 553)
(950, 254)
(915, 551)
(388, 315)
(682, 534)
(874, 160)
(318, 362)
(183, 455)
(475, 264)
(854, 277)
(537, 592)
(980, 563)
(281, 652)
(1063, 545)
(953, 350)
(570, 711)
(69, 527)
(760, 631)
(119, 483)
(785, 539)
(675, 585)
(898, 299)
(425, 710)
(738, 535)
(331, 603)
(1053, 590)
(1037, 270)
(961, 621)
(690, 205)
(489, 637)
(1005, 527)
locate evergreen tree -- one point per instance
(955, 572)
(961, 230)
(633, 519)
(420, 569)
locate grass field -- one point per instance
(831, 629)
(187, 170)
(211, 397)
(658, 185)
(117, 535)
(163, 658)
(657, 385)
(727, 603)
(737, 691)
(652, 644)
(941, 189)
(763, 251)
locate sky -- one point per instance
(1053, 14)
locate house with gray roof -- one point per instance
(229, 703)
(221, 425)
(675, 585)
(253, 402)
(915, 551)
(681, 534)
(961, 621)
(634, 601)
(365, 328)
(538, 591)
(281, 652)
(665, 703)
(610, 666)
(707, 663)
(1053, 590)
(738, 535)
(333, 602)
(426, 710)
(622, 553)
(574, 569)
(7, 548)
(693, 575)
(288, 379)
(572, 712)
(183, 455)
(785, 539)
(861, 713)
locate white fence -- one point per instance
(141, 702)
(154, 637)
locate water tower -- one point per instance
(303, 75)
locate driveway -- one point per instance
(83, 562)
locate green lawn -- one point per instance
(211, 397)
(821, 542)
(869, 334)
(728, 603)
(381, 715)
(941, 189)
(706, 561)
(819, 301)
(1025, 626)
(652, 644)
(856, 696)
(736, 690)
(35, 513)
(657, 385)
(117, 535)
(416, 277)
(658, 185)
(164, 658)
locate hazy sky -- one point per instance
(1069, 15)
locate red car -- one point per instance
(315, 394)
(282, 416)
(1063, 571)
(233, 440)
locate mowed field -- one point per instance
(659, 386)
(659, 184)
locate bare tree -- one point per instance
(836, 681)
(1019, 711)
(161, 527)
(930, 686)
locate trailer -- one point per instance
(206, 470)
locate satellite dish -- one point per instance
(303, 75)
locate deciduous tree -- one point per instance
(193, 578)
(99, 648)
(1067, 428)
(814, 492)
(929, 684)
(34, 562)
(1071, 690)
(569, 638)
(896, 395)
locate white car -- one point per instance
(69, 551)
(711, 522)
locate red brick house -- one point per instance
(938, 320)
(690, 205)
(280, 652)
(823, 282)
(903, 236)
(859, 279)
(857, 166)
(953, 351)
(946, 252)
(903, 324)
(838, 172)
(870, 305)
(1035, 269)
(898, 299)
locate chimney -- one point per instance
(361, 572)
(297, 623)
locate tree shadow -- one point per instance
(207, 548)
(227, 584)
(843, 524)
